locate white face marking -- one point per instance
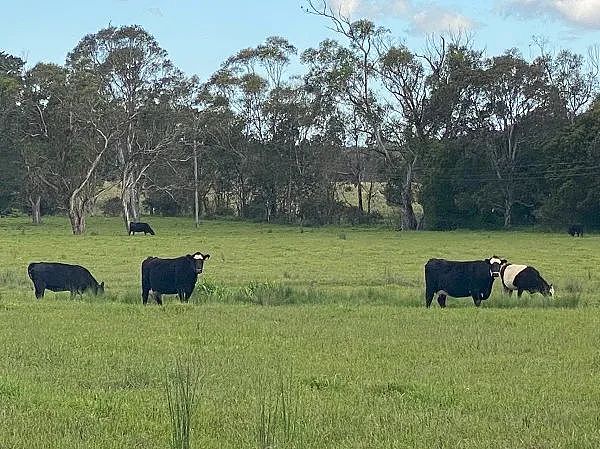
(494, 260)
(198, 257)
(551, 290)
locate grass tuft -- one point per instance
(279, 423)
(181, 388)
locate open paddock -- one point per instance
(330, 319)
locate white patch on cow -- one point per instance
(494, 260)
(442, 292)
(510, 273)
(198, 256)
(551, 290)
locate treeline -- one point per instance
(476, 141)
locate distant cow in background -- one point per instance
(524, 278)
(576, 230)
(61, 277)
(171, 276)
(140, 227)
(459, 279)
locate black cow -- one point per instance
(62, 277)
(459, 279)
(576, 230)
(523, 277)
(140, 227)
(170, 276)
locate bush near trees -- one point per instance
(476, 141)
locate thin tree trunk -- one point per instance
(36, 213)
(196, 199)
(508, 205)
(369, 197)
(408, 219)
(359, 193)
(77, 215)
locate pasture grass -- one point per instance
(304, 339)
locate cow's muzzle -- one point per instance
(495, 274)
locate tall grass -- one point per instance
(279, 421)
(181, 390)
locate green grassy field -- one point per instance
(329, 321)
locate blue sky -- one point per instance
(199, 35)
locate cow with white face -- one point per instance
(171, 276)
(524, 278)
(461, 279)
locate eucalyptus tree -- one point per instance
(334, 79)
(134, 70)
(354, 80)
(70, 129)
(513, 90)
(11, 80)
(252, 85)
(571, 157)
(395, 92)
(574, 76)
(44, 95)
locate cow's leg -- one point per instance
(39, 289)
(441, 299)
(145, 292)
(519, 293)
(157, 298)
(181, 294)
(476, 299)
(429, 297)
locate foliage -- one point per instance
(112, 207)
(472, 141)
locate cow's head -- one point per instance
(199, 259)
(495, 265)
(100, 288)
(547, 290)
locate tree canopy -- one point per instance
(452, 137)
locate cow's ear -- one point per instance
(487, 260)
(504, 261)
(102, 284)
(206, 256)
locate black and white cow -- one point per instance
(524, 278)
(460, 279)
(576, 230)
(62, 277)
(140, 227)
(171, 276)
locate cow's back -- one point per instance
(58, 276)
(456, 278)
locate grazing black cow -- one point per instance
(459, 279)
(576, 230)
(140, 227)
(170, 276)
(62, 277)
(523, 277)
